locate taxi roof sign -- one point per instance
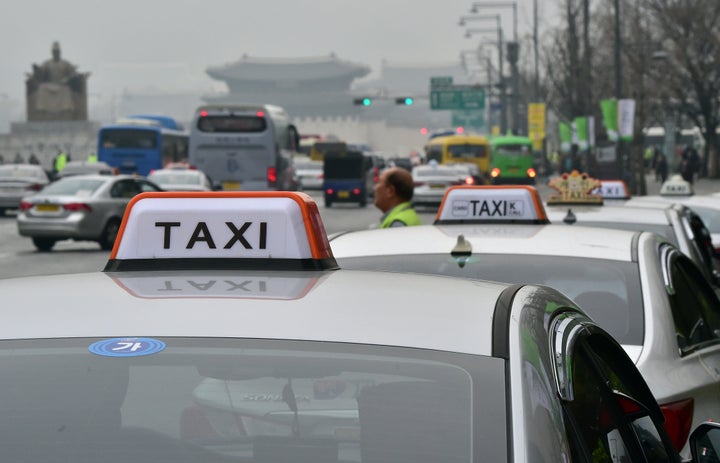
(612, 189)
(574, 188)
(491, 204)
(676, 186)
(221, 230)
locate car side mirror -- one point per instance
(705, 443)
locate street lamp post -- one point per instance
(512, 53)
(501, 77)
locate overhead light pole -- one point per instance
(501, 77)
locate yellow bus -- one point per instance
(468, 148)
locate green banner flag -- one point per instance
(609, 109)
(565, 136)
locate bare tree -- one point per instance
(690, 30)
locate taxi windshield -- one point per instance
(608, 291)
(265, 401)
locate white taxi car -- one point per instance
(707, 207)
(222, 331)
(606, 206)
(651, 297)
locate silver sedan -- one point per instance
(82, 208)
(18, 180)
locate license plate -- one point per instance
(231, 185)
(514, 170)
(437, 186)
(47, 207)
(343, 194)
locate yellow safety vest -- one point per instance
(404, 213)
(60, 162)
(92, 158)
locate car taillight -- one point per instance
(678, 419)
(356, 191)
(77, 207)
(495, 172)
(271, 176)
(469, 181)
(329, 191)
(35, 187)
(531, 172)
(419, 183)
(24, 205)
(376, 174)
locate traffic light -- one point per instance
(364, 101)
(405, 100)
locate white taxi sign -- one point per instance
(612, 189)
(230, 230)
(676, 186)
(491, 204)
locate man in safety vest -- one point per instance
(60, 160)
(393, 193)
(92, 157)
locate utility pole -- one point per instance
(535, 46)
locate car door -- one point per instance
(696, 313)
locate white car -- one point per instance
(221, 330)
(431, 181)
(310, 174)
(679, 224)
(181, 179)
(651, 297)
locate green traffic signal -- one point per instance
(408, 101)
(405, 100)
(366, 101)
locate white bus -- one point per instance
(244, 147)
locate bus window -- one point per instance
(467, 151)
(433, 153)
(513, 150)
(231, 124)
(128, 138)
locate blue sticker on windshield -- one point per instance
(127, 347)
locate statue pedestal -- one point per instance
(45, 138)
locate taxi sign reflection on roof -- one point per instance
(574, 188)
(491, 204)
(676, 186)
(221, 230)
(612, 189)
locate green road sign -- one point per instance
(469, 120)
(444, 81)
(457, 97)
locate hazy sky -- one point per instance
(131, 43)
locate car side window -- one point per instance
(146, 186)
(694, 304)
(609, 424)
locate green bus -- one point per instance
(512, 160)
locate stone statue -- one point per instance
(56, 91)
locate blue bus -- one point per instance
(140, 144)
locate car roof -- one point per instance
(608, 213)
(541, 240)
(303, 305)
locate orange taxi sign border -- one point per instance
(574, 188)
(321, 257)
(538, 208)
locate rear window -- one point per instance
(232, 124)
(608, 291)
(203, 400)
(467, 151)
(344, 169)
(175, 178)
(129, 138)
(73, 186)
(513, 150)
